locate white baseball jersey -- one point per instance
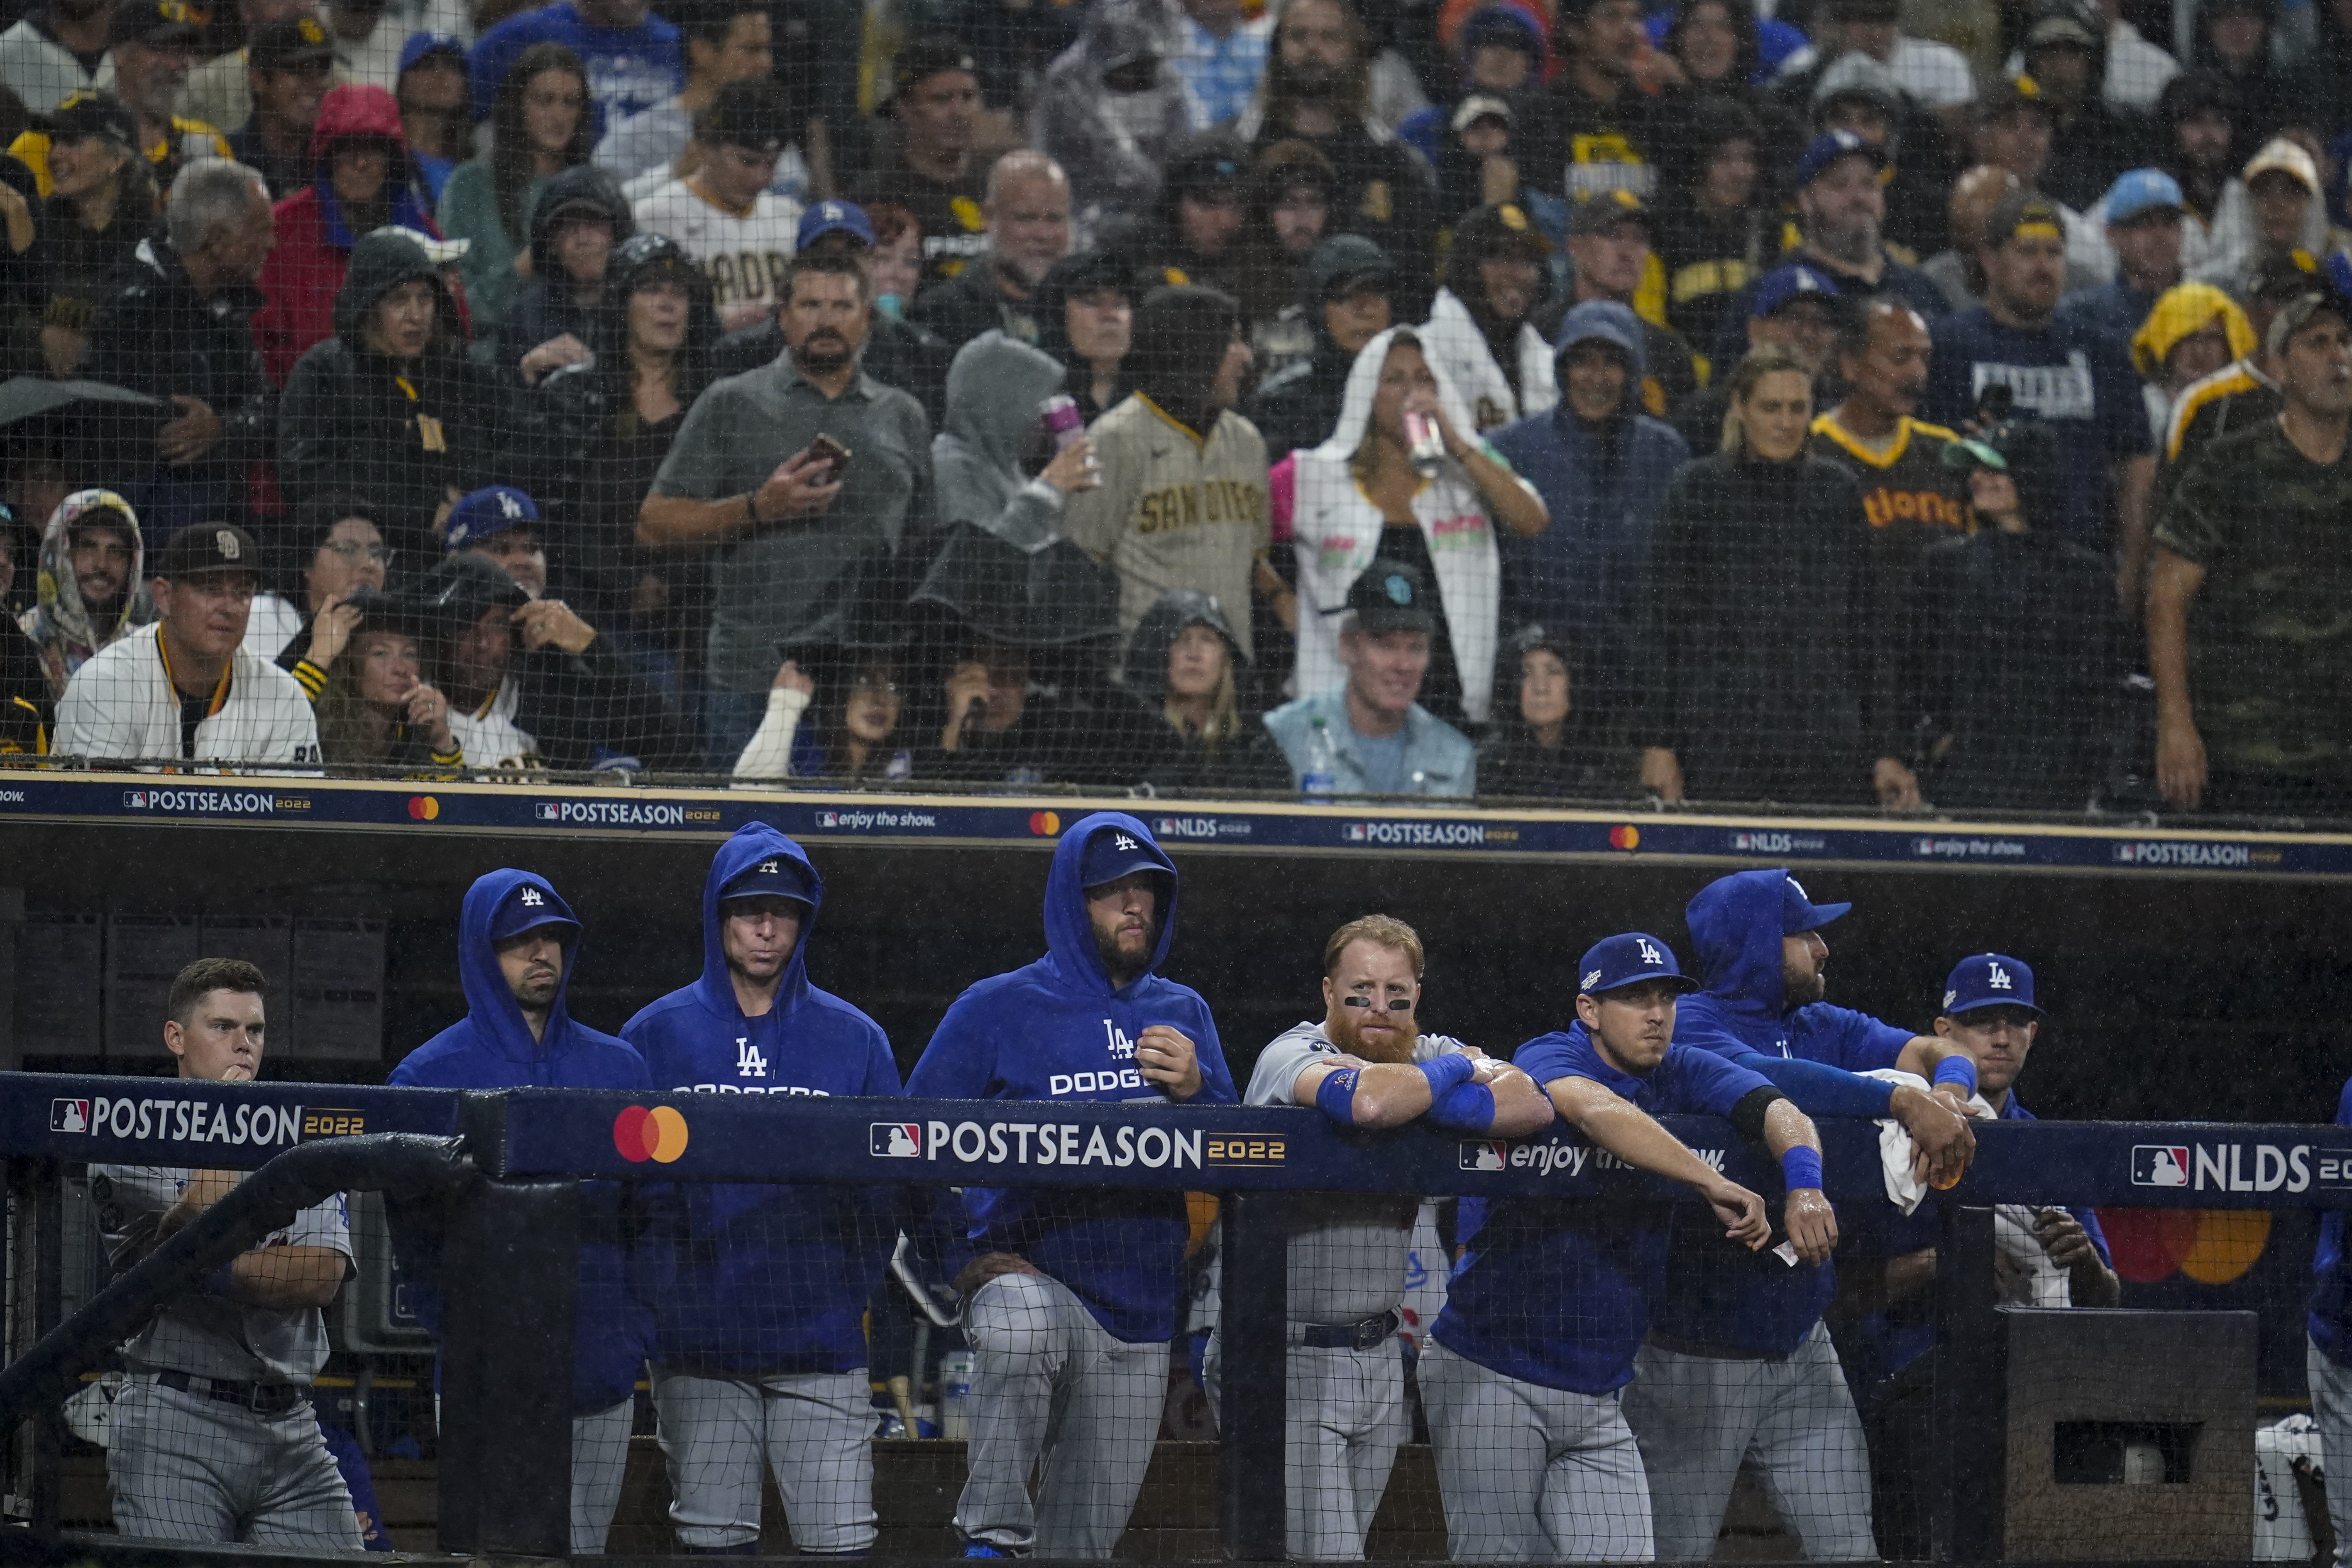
(742, 253)
(1349, 1262)
(122, 706)
(489, 737)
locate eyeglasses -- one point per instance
(1395, 1003)
(350, 550)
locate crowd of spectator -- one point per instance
(1540, 398)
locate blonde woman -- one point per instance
(1178, 672)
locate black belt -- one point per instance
(1369, 1335)
(261, 1398)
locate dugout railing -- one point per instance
(498, 1174)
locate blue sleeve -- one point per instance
(1855, 1041)
(960, 1059)
(1216, 1078)
(2121, 409)
(1545, 1058)
(2089, 1220)
(1944, 403)
(1820, 1090)
(1705, 1084)
(487, 66)
(881, 1069)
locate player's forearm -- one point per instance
(204, 1189)
(2135, 487)
(1390, 1094)
(1787, 1127)
(2092, 1283)
(1939, 1061)
(285, 1278)
(1521, 1109)
(2171, 585)
(1819, 1090)
(1627, 1132)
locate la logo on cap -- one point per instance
(1649, 954)
(531, 896)
(767, 869)
(1122, 841)
(225, 539)
(507, 505)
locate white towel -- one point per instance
(1896, 1149)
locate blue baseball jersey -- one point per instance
(764, 1279)
(2329, 1318)
(492, 1047)
(1058, 1030)
(1555, 1292)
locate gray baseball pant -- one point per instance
(1053, 1390)
(1531, 1474)
(2331, 1407)
(1697, 1418)
(1343, 1420)
(600, 1458)
(815, 1430)
(182, 1467)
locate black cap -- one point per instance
(88, 114)
(1603, 210)
(1215, 164)
(2021, 215)
(206, 547)
(155, 23)
(751, 114)
(2278, 278)
(1391, 597)
(290, 43)
(929, 56)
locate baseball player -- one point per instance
(759, 1348)
(2327, 1358)
(1071, 1297)
(1737, 1365)
(2047, 1256)
(1365, 1064)
(517, 942)
(214, 1437)
(1546, 1310)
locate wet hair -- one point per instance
(205, 976)
(1381, 930)
(1765, 359)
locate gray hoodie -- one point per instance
(994, 387)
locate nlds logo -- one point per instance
(897, 1139)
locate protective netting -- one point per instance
(1439, 401)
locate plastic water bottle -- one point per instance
(955, 1396)
(1320, 776)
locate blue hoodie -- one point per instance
(1602, 489)
(1717, 1293)
(491, 1048)
(1012, 1036)
(2329, 1318)
(765, 1279)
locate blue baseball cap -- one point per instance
(1989, 980)
(420, 45)
(2137, 191)
(1832, 145)
(528, 908)
(492, 509)
(777, 876)
(834, 218)
(1795, 281)
(1629, 959)
(1799, 913)
(1113, 853)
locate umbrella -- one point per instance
(1058, 596)
(101, 430)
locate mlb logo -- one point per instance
(69, 1116)
(1167, 825)
(1485, 1155)
(896, 1139)
(136, 799)
(545, 811)
(2159, 1165)
(828, 819)
(1355, 833)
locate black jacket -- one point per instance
(1758, 647)
(1584, 766)
(972, 303)
(544, 310)
(1298, 405)
(26, 710)
(348, 420)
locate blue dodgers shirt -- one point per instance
(1718, 1293)
(491, 1048)
(764, 1279)
(1555, 1292)
(630, 70)
(1056, 1029)
(2329, 1318)
(2068, 377)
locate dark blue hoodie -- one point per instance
(1030, 1034)
(2330, 1316)
(491, 1048)
(1718, 1293)
(765, 1279)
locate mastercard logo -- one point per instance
(659, 1134)
(424, 808)
(1045, 824)
(1625, 837)
(2211, 1246)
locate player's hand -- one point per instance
(796, 489)
(1662, 773)
(988, 1266)
(546, 621)
(429, 711)
(1165, 1056)
(189, 436)
(1742, 1213)
(1897, 786)
(1811, 1223)
(1955, 1099)
(332, 629)
(2179, 760)
(2063, 1240)
(1074, 468)
(1944, 1142)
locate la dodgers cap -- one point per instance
(1785, 285)
(1832, 145)
(1799, 913)
(1989, 980)
(833, 217)
(528, 908)
(2139, 191)
(776, 875)
(492, 509)
(1629, 959)
(1114, 852)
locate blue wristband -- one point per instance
(1466, 1107)
(1336, 1095)
(1447, 1071)
(1802, 1167)
(1959, 1068)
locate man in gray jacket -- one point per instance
(1369, 736)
